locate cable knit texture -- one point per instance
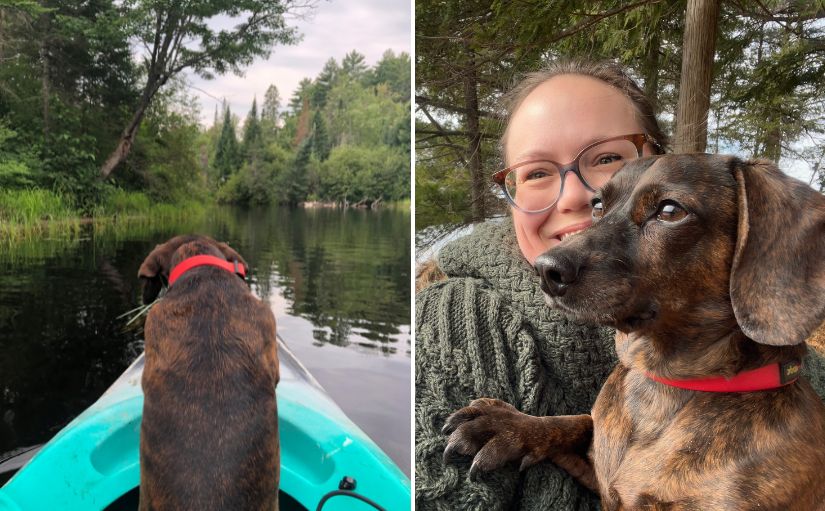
(487, 332)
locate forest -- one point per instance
(97, 118)
(726, 76)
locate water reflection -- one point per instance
(334, 278)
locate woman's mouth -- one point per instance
(571, 230)
(565, 235)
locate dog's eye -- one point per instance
(598, 208)
(669, 211)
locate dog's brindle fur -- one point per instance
(735, 283)
(209, 434)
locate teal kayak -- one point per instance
(92, 463)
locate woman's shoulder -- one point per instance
(492, 242)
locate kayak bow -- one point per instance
(94, 460)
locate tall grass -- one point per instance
(121, 202)
(30, 206)
(34, 212)
(29, 213)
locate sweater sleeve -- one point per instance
(469, 344)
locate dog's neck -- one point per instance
(716, 355)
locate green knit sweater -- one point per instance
(486, 331)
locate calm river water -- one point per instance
(337, 281)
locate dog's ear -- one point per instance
(231, 255)
(153, 271)
(777, 282)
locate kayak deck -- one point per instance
(94, 461)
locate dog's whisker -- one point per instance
(141, 310)
(129, 312)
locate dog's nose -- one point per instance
(557, 272)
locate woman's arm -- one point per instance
(470, 344)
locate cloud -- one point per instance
(339, 26)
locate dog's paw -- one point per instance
(494, 433)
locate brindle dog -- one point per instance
(706, 266)
(209, 434)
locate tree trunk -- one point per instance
(45, 79)
(651, 67)
(479, 185)
(124, 145)
(127, 138)
(769, 141)
(697, 73)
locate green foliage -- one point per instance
(324, 82)
(394, 71)
(258, 181)
(271, 109)
(346, 137)
(66, 85)
(295, 181)
(355, 174)
(32, 205)
(302, 92)
(226, 151)
(19, 166)
(320, 137)
(203, 47)
(367, 116)
(440, 197)
(251, 133)
(122, 202)
(166, 162)
(354, 66)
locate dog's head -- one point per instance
(687, 245)
(155, 269)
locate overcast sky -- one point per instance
(338, 27)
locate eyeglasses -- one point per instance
(535, 186)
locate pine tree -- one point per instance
(226, 152)
(354, 65)
(325, 82)
(270, 110)
(297, 184)
(320, 137)
(251, 133)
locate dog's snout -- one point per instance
(557, 272)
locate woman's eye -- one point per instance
(670, 211)
(598, 208)
(537, 174)
(607, 159)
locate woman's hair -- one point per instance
(607, 72)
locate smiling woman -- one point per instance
(508, 343)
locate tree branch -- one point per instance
(446, 133)
(443, 105)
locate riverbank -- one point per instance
(43, 213)
(393, 205)
(26, 214)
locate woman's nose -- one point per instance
(574, 195)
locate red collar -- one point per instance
(772, 376)
(206, 260)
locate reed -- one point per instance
(38, 213)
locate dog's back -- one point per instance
(209, 435)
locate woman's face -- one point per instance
(555, 122)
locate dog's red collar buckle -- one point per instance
(772, 376)
(206, 260)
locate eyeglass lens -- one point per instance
(535, 186)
